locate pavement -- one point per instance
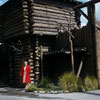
(7, 93)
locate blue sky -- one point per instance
(84, 21)
(3, 1)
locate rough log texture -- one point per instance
(35, 23)
(46, 16)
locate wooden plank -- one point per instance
(52, 15)
(83, 14)
(86, 4)
(51, 20)
(54, 7)
(45, 33)
(49, 10)
(54, 4)
(80, 67)
(67, 30)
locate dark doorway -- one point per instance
(55, 65)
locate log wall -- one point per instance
(47, 15)
(12, 19)
(16, 59)
(35, 23)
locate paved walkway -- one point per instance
(20, 94)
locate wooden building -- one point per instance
(40, 31)
(98, 49)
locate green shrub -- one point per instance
(52, 87)
(90, 83)
(68, 81)
(44, 83)
(31, 88)
(80, 85)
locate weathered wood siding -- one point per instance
(81, 37)
(38, 19)
(84, 41)
(12, 19)
(48, 14)
(16, 59)
(98, 53)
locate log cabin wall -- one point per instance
(12, 19)
(35, 24)
(48, 14)
(45, 17)
(17, 56)
(98, 52)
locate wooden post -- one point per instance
(80, 67)
(94, 37)
(71, 46)
(72, 56)
(98, 55)
(92, 19)
(41, 62)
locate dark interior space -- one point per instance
(4, 67)
(54, 65)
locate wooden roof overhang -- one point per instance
(71, 1)
(86, 4)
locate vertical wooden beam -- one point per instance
(91, 37)
(30, 28)
(31, 59)
(71, 45)
(92, 19)
(36, 60)
(98, 54)
(72, 55)
(41, 62)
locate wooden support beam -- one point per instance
(83, 14)
(41, 62)
(72, 55)
(71, 45)
(80, 67)
(67, 31)
(86, 4)
(92, 29)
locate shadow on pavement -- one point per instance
(21, 92)
(16, 92)
(92, 93)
